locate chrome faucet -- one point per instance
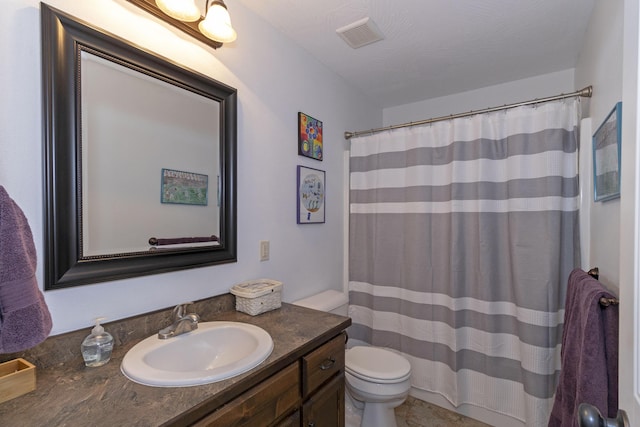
(182, 322)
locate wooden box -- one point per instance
(17, 377)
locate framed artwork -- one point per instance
(184, 188)
(606, 156)
(310, 195)
(309, 136)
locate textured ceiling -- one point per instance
(435, 48)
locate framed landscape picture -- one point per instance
(184, 188)
(606, 156)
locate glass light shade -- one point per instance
(217, 25)
(182, 10)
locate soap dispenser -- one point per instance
(96, 347)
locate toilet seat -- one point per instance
(376, 365)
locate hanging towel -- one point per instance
(589, 354)
(25, 320)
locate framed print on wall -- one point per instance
(309, 136)
(606, 156)
(184, 188)
(311, 195)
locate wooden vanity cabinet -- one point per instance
(323, 385)
(257, 407)
(292, 420)
(325, 408)
(307, 393)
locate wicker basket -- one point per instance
(258, 296)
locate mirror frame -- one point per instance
(63, 38)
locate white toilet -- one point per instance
(376, 379)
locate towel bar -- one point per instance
(604, 302)
(154, 241)
(594, 272)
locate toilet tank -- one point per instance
(332, 301)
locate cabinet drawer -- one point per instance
(261, 405)
(322, 364)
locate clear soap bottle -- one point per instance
(97, 346)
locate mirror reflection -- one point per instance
(150, 161)
(136, 148)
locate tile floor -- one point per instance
(416, 413)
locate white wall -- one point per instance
(275, 79)
(492, 96)
(609, 59)
(629, 262)
(600, 65)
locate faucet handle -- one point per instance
(181, 310)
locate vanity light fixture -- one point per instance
(212, 27)
(182, 10)
(217, 23)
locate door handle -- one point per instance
(589, 416)
(327, 364)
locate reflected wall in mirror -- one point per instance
(134, 127)
(136, 147)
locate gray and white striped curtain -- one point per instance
(462, 236)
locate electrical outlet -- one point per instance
(264, 250)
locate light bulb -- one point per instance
(217, 24)
(182, 10)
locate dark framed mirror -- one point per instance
(139, 158)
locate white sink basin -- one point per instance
(213, 352)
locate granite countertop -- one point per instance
(70, 394)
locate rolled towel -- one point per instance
(25, 320)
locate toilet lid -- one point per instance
(376, 363)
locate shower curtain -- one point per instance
(462, 236)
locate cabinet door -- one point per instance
(262, 405)
(292, 420)
(325, 408)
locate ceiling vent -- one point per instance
(360, 33)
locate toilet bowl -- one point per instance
(377, 379)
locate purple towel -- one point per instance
(25, 320)
(589, 352)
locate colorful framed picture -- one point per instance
(309, 136)
(310, 195)
(606, 156)
(184, 188)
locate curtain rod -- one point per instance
(586, 92)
